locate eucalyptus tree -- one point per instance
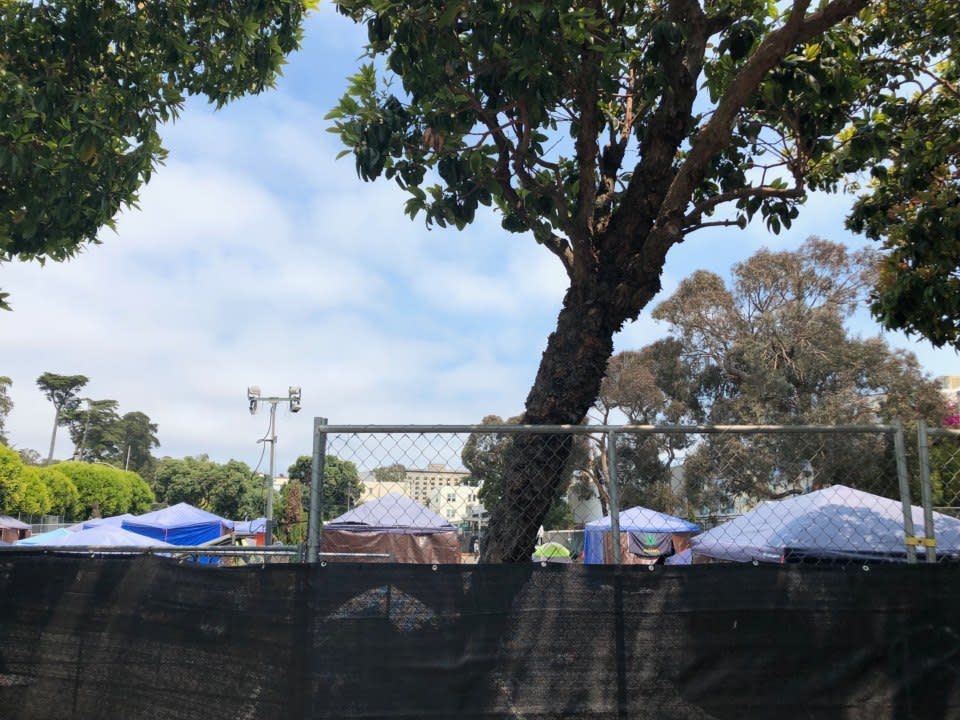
(612, 130)
(61, 390)
(771, 347)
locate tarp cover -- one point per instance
(837, 522)
(44, 538)
(115, 520)
(637, 520)
(394, 525)
(8, 522)
(393, 512)
(180, 524)
(105, 536)
(149, 639)
(250, 527)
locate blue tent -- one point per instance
(638, 520)
(46, 538)
(115, 520)
(180, 524)
(106, 536)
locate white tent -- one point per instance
(837, 522)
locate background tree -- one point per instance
(912, 205)
(291, 523)
(10, 469)
(301, 469)
(94, 429)
(30, 495)
(773, 349)
(64, 496)
(85, 88)
(611, 131)
(107, 489)
(6, 405)
(395, 473)
(61, 390)
(230, 490)
(341, 486)
(137, 437)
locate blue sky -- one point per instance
(257, 259)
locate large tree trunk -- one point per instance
(565, 388)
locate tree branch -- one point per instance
(766, 191)
(714, 135)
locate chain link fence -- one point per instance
(472, 493)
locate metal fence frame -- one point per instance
(322, 430)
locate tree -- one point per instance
(341, 486)
(94, 429)
(64, 496)
(61, 390)
(396, 473)
(30, 495)
(302, 469)
(85, 88)
(107, 489)
(10, 469)
(230, 490)
(913, 203)
(137, 436)
(291, 523)
(773, 349)
(611, 131)
(6, 405)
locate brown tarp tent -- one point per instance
(393, 525)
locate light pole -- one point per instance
(254, 398)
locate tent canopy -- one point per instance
(115, 520)
(659, 526)
(391, 513)
(12, 523)
(180, 524)
(46, 538)
(837, 522)
(106, 536)
(641, 519)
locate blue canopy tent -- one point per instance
(115, 520)
(180, 524)
(395, 525)
(644, 534)
(836, 523)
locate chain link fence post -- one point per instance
(900, 449)
(614, 492)
(926, 490)
(315, 524)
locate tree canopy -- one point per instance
(85, 87)
(230, 490)
(61, 390)
(612, 130)
(771, 348)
